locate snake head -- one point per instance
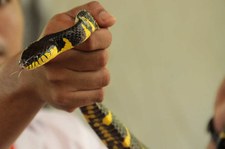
(22, 64)
(87, 19)
(38, 53)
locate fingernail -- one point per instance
(105, 15)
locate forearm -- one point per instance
(17, 107)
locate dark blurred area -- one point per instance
(32, 21)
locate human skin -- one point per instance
(219, 113)
(73, 79)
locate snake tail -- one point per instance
(109, 129)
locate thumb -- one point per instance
(102, 17)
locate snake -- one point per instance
(108, 128)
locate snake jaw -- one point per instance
(22, 64)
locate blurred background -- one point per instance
(166, 63)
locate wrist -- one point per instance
(16, 82)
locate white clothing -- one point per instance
(53, 129)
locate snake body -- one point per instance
(112, 133)
(47, 48)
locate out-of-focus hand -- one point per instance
(219, 113)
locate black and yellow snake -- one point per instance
(112, 133)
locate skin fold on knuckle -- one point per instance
(102, 58)
(58, 23)
(49, 72)
(59, 98)
(55, 75)
(90, 44)
(93, 5)
(219, 118)
(100, 95)
(104, 78)
(88, 97)
(101, 39)
(57, 17)
(81, 100)
(69, 109)
(58, 95)
(66, 108)
(108, 37)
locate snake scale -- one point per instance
(112, 133)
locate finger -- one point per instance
(101, 39)
(80, 98)
(220, 99)
(86, 97)
(58, 22)
(219, 118)
(87, 80)
(103, 18)
(74, 81)
(82, 61)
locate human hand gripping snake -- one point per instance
(112, 133)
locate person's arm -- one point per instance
(73, 79)
(17, 105)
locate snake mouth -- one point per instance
(22, 63)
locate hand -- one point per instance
(76, 78)
(219, 116)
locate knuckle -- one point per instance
(86, 101)
(54, 75)
(48, 73)
(103, 58)
(105, 78)
(100, 95)
(109, 38)
(70, 110)
(60, 98)
(93, 4)
(90, 44)
(58, 17)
